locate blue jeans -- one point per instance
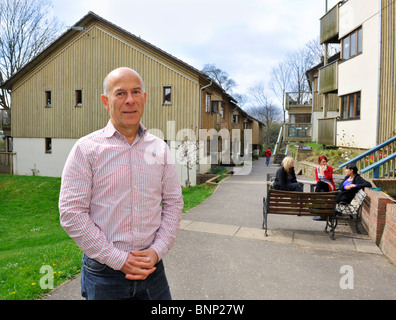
(267, 160)
(100, 282)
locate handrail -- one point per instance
(375, 166)
(278, 141)
(368, 152)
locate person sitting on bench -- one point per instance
(285, 178)
(324, 176)
(352, 183)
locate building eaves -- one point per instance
(72, 31)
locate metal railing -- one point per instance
(296, 131)
(378, 162)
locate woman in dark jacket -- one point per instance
(285, 178)
(352, 183)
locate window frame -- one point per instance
(48, 146)
(78, 96)
(48, 99)
(358, 44)
(165, 101)
(346, 113)
(208, 103)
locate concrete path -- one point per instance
(222, 254)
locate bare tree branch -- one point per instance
(26, 28)
(220, 76)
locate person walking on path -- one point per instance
(268, 154)
(120, 199)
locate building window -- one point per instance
(350, 106)
(48, 102)
(208, 103)
(352, 44)
(300, 118)
(167, 95)
(79, 98)
(215, 106)
(235, 118)
(48, 145)
(222, 110)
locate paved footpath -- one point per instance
(221, 253)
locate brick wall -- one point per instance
(379, 219)
(388, 240)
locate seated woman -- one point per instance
(285, 178)
(352, 183)
(325, 181)
(324, 176)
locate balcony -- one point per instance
(5, 119)
(329, 26)
(298, 102)
(328, 78)
(297, 132)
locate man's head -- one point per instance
(124, 97)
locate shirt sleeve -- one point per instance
(74, 209)
(172, 206)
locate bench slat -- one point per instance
(301, 204)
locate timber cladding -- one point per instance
(45, 100)
(387, 115)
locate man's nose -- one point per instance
(130, 99)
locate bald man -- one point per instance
(122, 211)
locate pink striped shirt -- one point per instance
(116, 198)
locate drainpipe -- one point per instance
(199, 112)
(200, 102)
(379, 75)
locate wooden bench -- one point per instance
(301, 204)
(351, 210)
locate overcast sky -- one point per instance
(245, 38)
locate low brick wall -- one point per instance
(379, 219)
(388, 240)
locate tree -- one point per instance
(186, 154)
(220, 76)
(26, 28)
(280, 83)
(264, 110)
(316, 50)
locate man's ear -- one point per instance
(105, 101)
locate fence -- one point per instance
(7, 162)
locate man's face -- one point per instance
(126, 99)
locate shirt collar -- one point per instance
(110, 130)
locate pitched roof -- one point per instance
(80, 26)
(72, 31)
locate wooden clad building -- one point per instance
(387, 100)
(56, 97)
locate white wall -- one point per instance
(30, 154)
(360, 73)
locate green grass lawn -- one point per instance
(32, 240)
